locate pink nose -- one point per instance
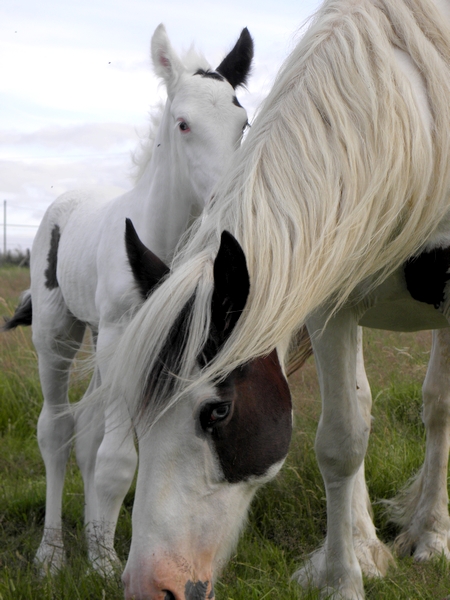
(200, 590)
(173, 586)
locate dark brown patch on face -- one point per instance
(257, 432)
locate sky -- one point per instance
(77, 86)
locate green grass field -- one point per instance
(287, 519)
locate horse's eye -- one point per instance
(219, 413)
(212, 414)
(183, 126)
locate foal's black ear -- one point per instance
(235, 67)
(231, 289)
(147, 268)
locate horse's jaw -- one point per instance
(186, 518)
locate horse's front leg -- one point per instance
(374, 557)
(115, 466)
(341, 444)
(422, 509)
(89, 429)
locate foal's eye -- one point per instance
(212, 414)
(183, 126)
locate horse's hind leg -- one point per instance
(57, 336)
(422, 509)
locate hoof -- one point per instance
(333, 582)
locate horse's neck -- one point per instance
(167, 200)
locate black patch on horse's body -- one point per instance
(51, 281)
(196, 591)
(210, 74)
(22, 315)
(427, 275)
(257, 433)
(236, 102)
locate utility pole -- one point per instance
(4, 229)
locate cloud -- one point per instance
(64, 84)
(77, 81)
(37, 183)
(95, 137)
(31, 186)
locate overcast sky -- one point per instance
(76, 85)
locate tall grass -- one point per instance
(287, 519)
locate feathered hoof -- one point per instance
(49, 559)
(107, 565)
(333, 585)
(423, 548)
(374, 557)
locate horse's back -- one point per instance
(64, 251)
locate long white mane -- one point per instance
(338, 180)
(141, 157)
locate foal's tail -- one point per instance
(22, 314)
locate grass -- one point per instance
(287, 519)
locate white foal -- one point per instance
(80, 277)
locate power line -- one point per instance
(16, 225)
(65, 157)
(6, 225)
(21, 207)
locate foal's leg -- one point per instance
(341, 444)
(57, 336)
(422, 509)
(374, 557)
(115, 467)
(89, 428)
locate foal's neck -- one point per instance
(169, 202)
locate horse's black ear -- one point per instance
(235, 67)
(231, 289)
(147, 268)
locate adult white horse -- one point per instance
(343, 178)
(80, 277)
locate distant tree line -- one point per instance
(15, 257)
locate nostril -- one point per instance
(169, 595)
